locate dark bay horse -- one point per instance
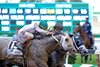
(37, 53)
(80, 31)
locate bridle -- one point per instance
(55, 39)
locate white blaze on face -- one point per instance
(67, 44)
(63, 42)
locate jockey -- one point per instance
(87, 28)
(27, 32)
(58, 28)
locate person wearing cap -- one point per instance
(57, 29)
(27, 32)
(87, 28)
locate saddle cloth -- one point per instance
(12, 49)
(77, 41)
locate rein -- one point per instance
(59, 49)
(55, 38)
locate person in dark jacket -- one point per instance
(87, 28)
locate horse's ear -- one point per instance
(71, 35)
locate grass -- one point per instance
(93, 61)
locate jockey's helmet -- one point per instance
(59, 26)
(43, 25)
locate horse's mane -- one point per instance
(47, 38)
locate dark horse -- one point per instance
(79, 30)
(37, 52)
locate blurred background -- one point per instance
(74, 12)
(17, 13)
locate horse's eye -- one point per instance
(66, 39)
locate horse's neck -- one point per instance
(42, 48)
(52, 45)
(47, 43)
(85, 38)
(83, 34)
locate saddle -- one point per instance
(12, 50)
(15, 49)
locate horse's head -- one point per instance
(67, 43)
(79, 44)
(73, 43)
(78, 28)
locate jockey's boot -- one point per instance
(19, 47)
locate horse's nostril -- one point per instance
(74, 50)
(85, 52)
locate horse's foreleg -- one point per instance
(86, 58)
(81, 59)
(90, 57)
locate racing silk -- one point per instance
(31, 28)
(87, 29)
(27, 32)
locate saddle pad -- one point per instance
(12, 49)
(77, 41)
